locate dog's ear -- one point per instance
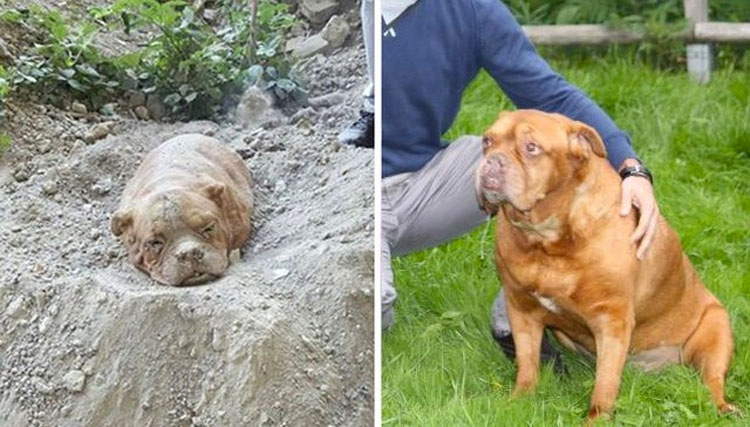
(484, 204)
(215, 192)
(583, 139)
(121, 221)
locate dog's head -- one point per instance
(527, 154)
(179, 237)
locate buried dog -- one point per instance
(565, 258)
(186, 208)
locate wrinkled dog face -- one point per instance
(527, 154)
(179, 238)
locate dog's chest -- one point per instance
(543, 280)
(549, 283)
(547, 303)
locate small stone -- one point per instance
(336, 31)
(141, 112)
(88, 367)
(41, 386)
(327, 100)
(318, 11)
(155, 106)
(280, 186)
(219, 340)
(49, 187)
(45, 146)
(74, 381)
(280, 273)
(95, 233)
(21, 174)
(309, 46)
(303, 114)
(102, 187)
(108, 109)
(16, 308)
(136, 99)
(98, 131)
(113, 252)
(78, 108)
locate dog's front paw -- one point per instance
(595, 414)
(728, 408)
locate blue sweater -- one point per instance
(433, 51)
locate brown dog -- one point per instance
(186, 208)
(566, 261)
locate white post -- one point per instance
(699, 56)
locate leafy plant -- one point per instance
(4, 142)
(188, 64)
(65, 60)
(5, 88)
(193, 67)
(11, 16)
(270, 70)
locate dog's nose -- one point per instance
(493, 166)
(492, 171)
(190, 254)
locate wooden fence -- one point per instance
(698, 36)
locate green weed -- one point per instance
(190, 65)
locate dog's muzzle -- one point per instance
(491, 175)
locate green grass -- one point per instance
(440, 365)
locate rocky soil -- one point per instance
(285, 338)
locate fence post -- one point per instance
(699, 56)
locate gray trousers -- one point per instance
(428, 207)
(367, 15)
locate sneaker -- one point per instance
(549, 353)
(500, 328)
(361, 133)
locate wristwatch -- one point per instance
(637, 170)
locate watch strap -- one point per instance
(636, 170)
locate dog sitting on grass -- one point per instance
(565, 258)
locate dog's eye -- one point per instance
(486, 143)
(155, 245)
(532, 148)
(208, 231)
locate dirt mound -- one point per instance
(285, 338)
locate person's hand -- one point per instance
(637, 191)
